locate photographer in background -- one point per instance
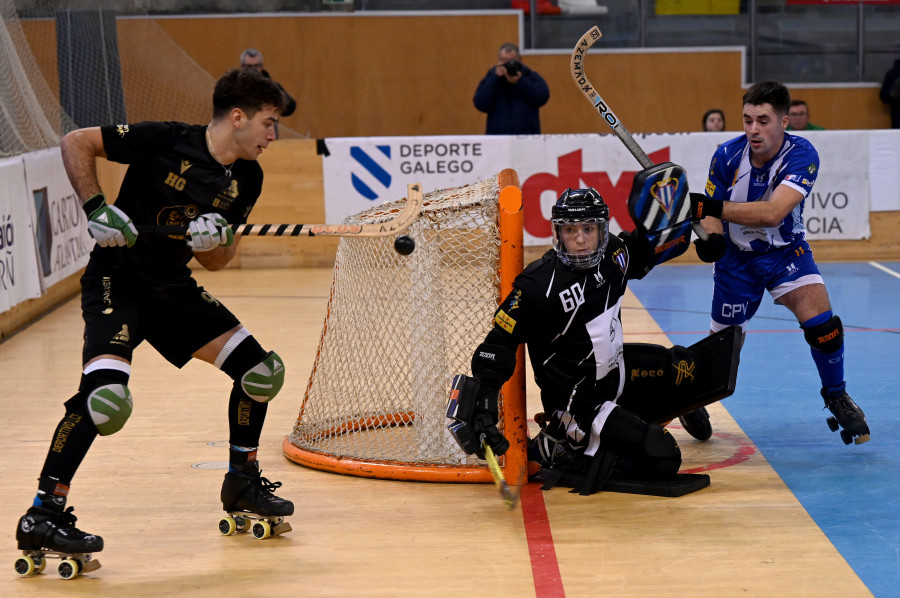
(511, 94)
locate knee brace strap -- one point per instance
(826, 337)
(108, 399)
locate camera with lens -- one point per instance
(513, 67)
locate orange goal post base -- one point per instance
(399, 327)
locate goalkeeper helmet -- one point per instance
(580, 222)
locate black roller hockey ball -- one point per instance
(404, 245)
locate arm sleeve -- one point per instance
(534, 88)
(800, 172)
(486, 93)
(715, 189)
(639, 254)
(135, 142)
(502, 341)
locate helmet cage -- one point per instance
(580, 261)
(580, 206)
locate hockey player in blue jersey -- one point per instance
(753, 210)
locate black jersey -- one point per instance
(571, 320)
(172, 179)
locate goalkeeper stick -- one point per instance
(576, 65)
(396, 225)
(510, 496)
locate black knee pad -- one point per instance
(826, 337)
(659, 444)
(649, 446)
(623, 431)
(258, 373)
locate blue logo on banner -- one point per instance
(373, 168)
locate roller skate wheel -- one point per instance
(69, 568)
(39, 564)
(26, 567)
(846, 436)
(227, 526)
(242, 524)
(832, 424)
(262, 530)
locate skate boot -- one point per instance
(847, 415)
(49, 531)
(696, 423)
(248, 498)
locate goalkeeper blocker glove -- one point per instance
(209, 231)
(484, 425)
(712, 249)
(110, 226)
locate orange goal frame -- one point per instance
(514, 461)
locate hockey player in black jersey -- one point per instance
(140, 287)
(603, 399)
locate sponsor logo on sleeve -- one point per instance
(505, 322)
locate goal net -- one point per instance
(398, 328)
(78, 63)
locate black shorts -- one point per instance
(121, 310)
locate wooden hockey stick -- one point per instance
(510, 496)
(576, 65)
(396, 225)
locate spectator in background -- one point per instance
(798, 117)
(511, 94)
(714, 120)
(253, 59)
(890, 93)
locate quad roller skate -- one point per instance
(847, 416)
(48, 532)
(247, 498)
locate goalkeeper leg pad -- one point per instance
(662, 383)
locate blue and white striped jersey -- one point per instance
(733, 178)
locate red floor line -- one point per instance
(544, 566)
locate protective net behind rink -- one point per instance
(397, 329)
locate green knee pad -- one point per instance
(110, 407)
(263, 381)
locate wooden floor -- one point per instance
(152, 492)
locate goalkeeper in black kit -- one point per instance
(603, 399)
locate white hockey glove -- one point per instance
(110, 226)
(209, 231)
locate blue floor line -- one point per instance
(851, 492)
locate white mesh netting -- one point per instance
(75, 63)
(398, 328)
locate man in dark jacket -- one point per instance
(890, 93)
(511, 94)
(253, 59)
